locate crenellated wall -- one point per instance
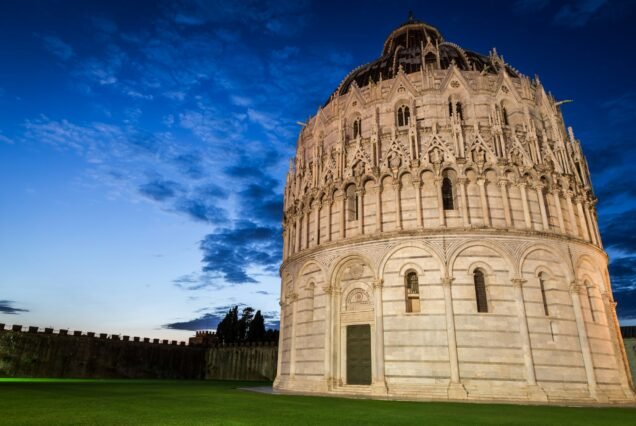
(44, 353)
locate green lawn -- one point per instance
(50, 402)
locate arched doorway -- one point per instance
(355, 325)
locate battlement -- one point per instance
(17, 328)
(47, 352)
(202, 338)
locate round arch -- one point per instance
(430, 250)
(495, 247)
(336, 270)
(305, 266)
(559, 254)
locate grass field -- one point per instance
(50, 402)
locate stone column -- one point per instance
(299, 233)
(329, 201)
(461, 186)
(590, 224)
(336, 331)
(379, 382)
(618, 346)
(575, 294)
(544, 216)
(440, 202)
(418, 203)
(573, 224)
(360, 211)
(307, 228)
(484, 201)
(292, 336)
(534, 391)
(378, 208)
(557, 203)
(455, 389)
(581, 214)
(284, 243)
(526, 207)
(328, 349)
(503, 187)
(398, 205)
(281, 340)
(318, 207)
(343, 217)
(595, 224)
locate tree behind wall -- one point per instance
(256, 331)
(249, 327)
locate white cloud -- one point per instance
(57, 47)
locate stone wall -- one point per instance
(36, 353)
(241, 363)
(563, 346)
(48, 354)
(630, 348)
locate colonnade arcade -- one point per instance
(419, 199)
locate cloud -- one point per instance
(202, 209)
(5, 139)
(196, 281)
(160, 190)
(57, 47)
(282, 17)
(623, 273)
(190, 164)
(230, 252)
(621, 109)
(625, 304)
(103, 70)
(7, 308)
(272, 319)
(218, 144)
(578, 13)
(618, 231)
(569, 13)
(206, 322)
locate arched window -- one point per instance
(459, 111)
(352, 203)
(357, 128)
(480, 290)
(504, 115)
(403, 116)
(543, 296)
(456, 109)
(447, 194)
(430, 61)
(412, 292)
(588, 290)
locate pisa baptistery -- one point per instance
(441, 239)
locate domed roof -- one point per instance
(410, 46)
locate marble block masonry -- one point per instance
(438, 200)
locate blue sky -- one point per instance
(143, 145)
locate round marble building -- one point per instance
(441, 239)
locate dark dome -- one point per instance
(408, 46)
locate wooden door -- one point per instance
(359, 354)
